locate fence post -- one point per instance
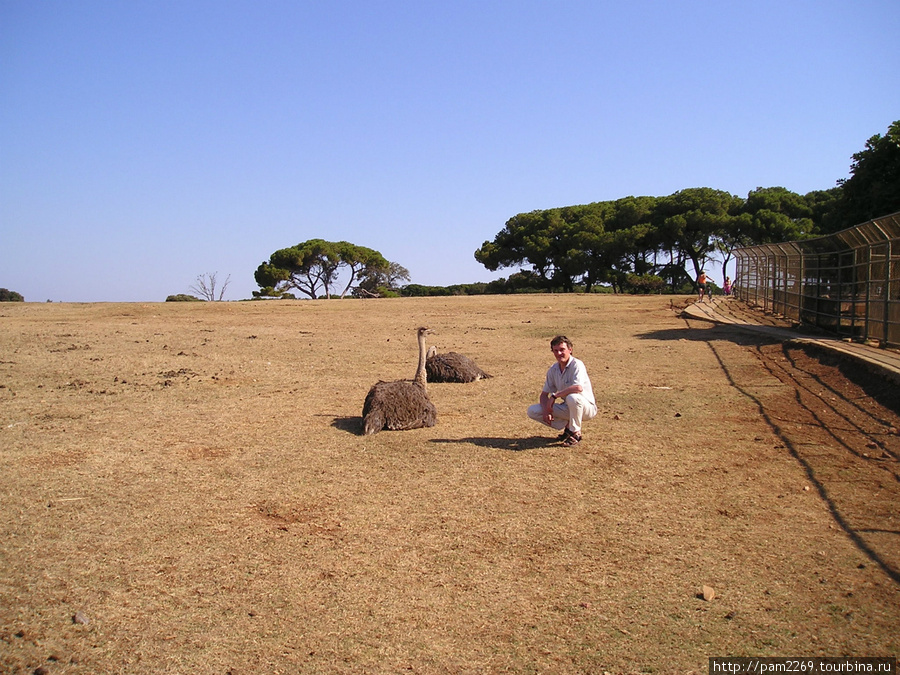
(868, 293)
(888, 288)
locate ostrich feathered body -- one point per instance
(401, 404)
(397, 406)
(452, 367)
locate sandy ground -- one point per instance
(184, 489)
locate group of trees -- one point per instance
(314, 267)
(641, 243)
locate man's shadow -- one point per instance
(512, 444)
(354, 425)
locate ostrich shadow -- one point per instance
(352, 425)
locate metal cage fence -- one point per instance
(847, 283)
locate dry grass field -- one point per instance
(184, 488)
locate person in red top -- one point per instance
(703, 285)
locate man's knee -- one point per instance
(581, 407)
(576, 401)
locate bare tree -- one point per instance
(206, 287)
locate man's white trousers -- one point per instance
(575, 410)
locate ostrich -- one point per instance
(402, 404)
(452, 367)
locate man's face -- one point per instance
(561, 352)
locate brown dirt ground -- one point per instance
(184, 488)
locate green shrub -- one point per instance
(183, 297)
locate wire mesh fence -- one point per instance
(847, 283)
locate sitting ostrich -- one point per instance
(452, 367)
(402, 404)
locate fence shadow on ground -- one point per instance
(842, 427)
(844, 433)
(717, 332)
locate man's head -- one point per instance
(561, 347)
(561, 339)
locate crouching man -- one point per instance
(567, 380)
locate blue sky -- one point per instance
(144, 143)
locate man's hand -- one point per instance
(547, 401)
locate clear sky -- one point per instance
(146, 142)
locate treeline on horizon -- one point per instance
(646, 244)
(628, 245)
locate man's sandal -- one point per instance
(573, 439)
(564, 435)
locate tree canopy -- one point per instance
(381, 282)
(7, 295)
(873, 188)
(314, 266)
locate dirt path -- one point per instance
(190, 483)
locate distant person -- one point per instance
(703, 282)
(726, 287)
(567, 379)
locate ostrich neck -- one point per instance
(420, 371)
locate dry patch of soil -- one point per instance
(185, 489)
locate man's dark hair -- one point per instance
(559, 339)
